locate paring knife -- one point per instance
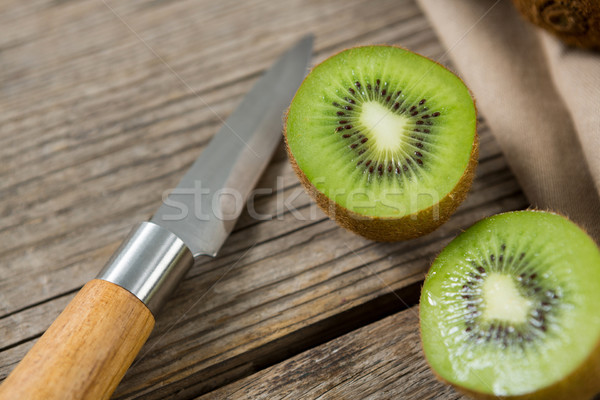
(87, 349)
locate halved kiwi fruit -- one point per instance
(384, 140)
(510, 309)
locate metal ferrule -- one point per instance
(150, 263)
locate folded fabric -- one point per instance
(540, 98)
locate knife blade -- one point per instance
(234, 160)
(88, 348)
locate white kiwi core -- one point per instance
(503, 301)
(385, 127)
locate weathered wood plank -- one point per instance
(94, 127)
(383, 360)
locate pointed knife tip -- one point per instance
(307, 41)
(310, 37)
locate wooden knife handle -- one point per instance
(86, 351)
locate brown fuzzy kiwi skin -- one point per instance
(581, 384)
(575, 22)
(389, 229)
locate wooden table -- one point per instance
(105, 104)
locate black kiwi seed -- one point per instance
(541, 317)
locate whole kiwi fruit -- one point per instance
(509, 309)
(575, 22)
(384, 140)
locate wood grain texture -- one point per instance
(87, 350)
(383, 360)
(94, 127)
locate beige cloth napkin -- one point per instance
(540, 98)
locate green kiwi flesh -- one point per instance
(510, 308)
(382, 133)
